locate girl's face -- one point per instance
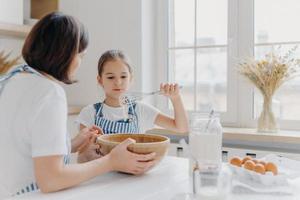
(115, 78)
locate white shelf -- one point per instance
(14, 30)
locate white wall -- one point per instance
(11, 11)
(128, 25)
(148, 43)
(12, 45)
(113, 24)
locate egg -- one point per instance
(272, 167)
(255, 161)
(249, 164)
(246, 158)
(262, 162)
(236, 161)
(259, 168)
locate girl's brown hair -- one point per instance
(53, 43)
(112, 55)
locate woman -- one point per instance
(33, 116)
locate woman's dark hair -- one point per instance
(112, 55)
(53, 43)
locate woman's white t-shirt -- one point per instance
(33, 123)
(146, 115)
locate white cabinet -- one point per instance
(230, 152)
(72, 130)
(11, 11)
(227, 153)
(176, 149)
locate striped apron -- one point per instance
(3, 81)
(129, 125)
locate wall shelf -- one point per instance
(14, 30)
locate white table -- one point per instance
(169, 178)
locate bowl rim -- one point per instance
(167, 140)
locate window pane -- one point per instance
(181, 71)
(212, 22)
(181, 22)
(277, 21)
(286, 100)
(211, 79)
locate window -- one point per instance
(198, 52)
(206, 40)
(276, 29)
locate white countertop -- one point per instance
(169, 178)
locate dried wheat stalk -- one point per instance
(6, 63)
(270, 73)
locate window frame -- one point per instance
(240, 45)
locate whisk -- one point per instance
(131, 97)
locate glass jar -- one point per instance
(205, 141)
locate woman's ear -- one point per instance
(100, 81)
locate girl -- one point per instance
(33, 116)
(115, 76)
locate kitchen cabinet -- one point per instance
(39, 8)
(72, 129)
(13, 14)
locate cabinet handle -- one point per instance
(179, 151)
(224, 156)
(253, 155)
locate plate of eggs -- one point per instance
(263, 171)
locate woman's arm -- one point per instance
(180, 121)
(53, 175)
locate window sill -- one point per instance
(244, 134)
(283, 141)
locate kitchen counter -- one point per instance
(168, 179)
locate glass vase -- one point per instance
(267, 121)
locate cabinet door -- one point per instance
(11, 11)
(73, 128)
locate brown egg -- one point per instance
(259, 168)
(255, 161)
(246, 158)
(249, 164)
(236, 161)
(272, 167)
(262, 162)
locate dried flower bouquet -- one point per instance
(268, 75)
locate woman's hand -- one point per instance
(170, 90)
(125, 161)
(85, 137)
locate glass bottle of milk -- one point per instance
(205, 141)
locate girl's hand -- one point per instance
(125, 161)
(170, 90)
(90, 153)
(85, 137)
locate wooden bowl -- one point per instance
(145, 143)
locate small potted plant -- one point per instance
(268, 75)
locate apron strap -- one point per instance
(22, 68)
